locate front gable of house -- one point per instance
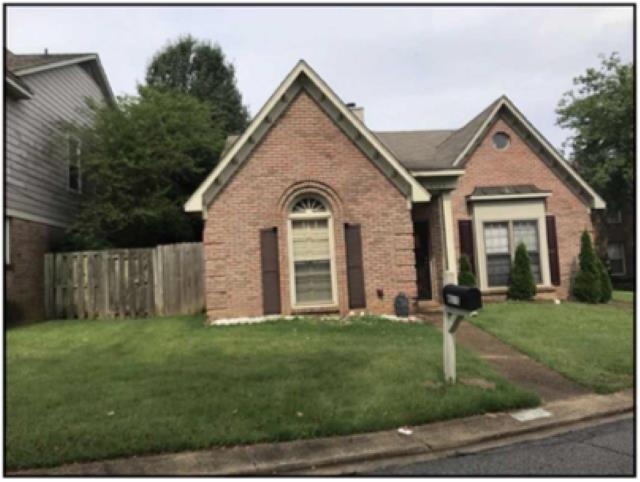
(303, 79)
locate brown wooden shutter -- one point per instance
(270, 271)
(355, 272)
(465, 231)
(552, 244)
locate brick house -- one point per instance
(43, 167)
(309, 211)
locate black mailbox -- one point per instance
(462, 297)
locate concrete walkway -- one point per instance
(516, 367)
(331, 455)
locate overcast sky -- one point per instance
(411, 68)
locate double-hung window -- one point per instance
(501, 240)
(615, 253)
(311, 251)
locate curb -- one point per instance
(303, 455)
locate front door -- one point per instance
(423, 267)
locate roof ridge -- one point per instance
(415, 130)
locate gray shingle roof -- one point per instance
(18, 62)
(423, 149)
(437, 149)
(506, 190)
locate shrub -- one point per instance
(606, 289)
(521, 283)
(586, 286)
(466, 276)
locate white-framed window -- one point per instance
(501, 238)
(614, 217)
(615, 253)
(311, 253)
(74, 164)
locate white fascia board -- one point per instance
(441, 173)
(54, 65)
(506, 197)
(418, 192)
(27, 94)
(597, 202)
(195, 202)
(479, 132)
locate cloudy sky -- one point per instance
(411, 68)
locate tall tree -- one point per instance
(600, 112)
(198, 68)
(140, 162)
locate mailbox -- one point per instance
(462, 297)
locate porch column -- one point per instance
(451, 264)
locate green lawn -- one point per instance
(591, 344)
(623, 296)
(83, 390)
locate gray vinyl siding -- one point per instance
(37, 173)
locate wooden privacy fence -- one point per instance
(120, 283)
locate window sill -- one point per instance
(503, 290)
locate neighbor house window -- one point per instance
(7, 242)
(311, 248)
(74, 164)
(615, 253)
(501, 240)
(614, 217)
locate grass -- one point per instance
(590, 344)
(87, 390)
(626, 296)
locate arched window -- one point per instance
(311, 257)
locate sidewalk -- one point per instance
(301, 455)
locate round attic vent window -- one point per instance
(501, 140)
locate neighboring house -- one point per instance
(619, 228)
(43, 166)
(309, 211)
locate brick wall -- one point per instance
(518, 164)
(306, 152)
(24, 278)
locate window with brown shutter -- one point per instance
(552, 244)
(355, 271)
(270, 271)
(465, 231)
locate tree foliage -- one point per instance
(522, 286)
(586, 285)
(466, 276)
(141, 160)
(600, 113)
(197, 68)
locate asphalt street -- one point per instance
(606, 449)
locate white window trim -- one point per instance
(328, 215)
(79, 154)
(529, 210)
(622, 258)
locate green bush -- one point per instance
(606, 289)
(521, 283)
(586, 285)
(466, 276)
